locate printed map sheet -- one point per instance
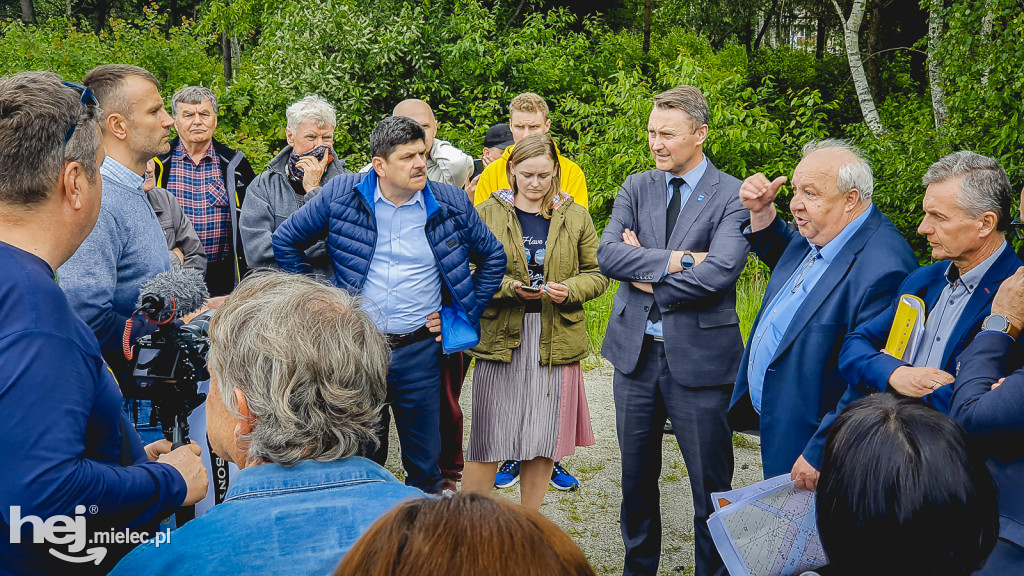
(768, 529)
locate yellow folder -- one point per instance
(907, 328)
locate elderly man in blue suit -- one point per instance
(839, 269)
(674, 241)
(989, 404)
(966, 214)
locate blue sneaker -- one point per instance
(508, 474)
(562, 480)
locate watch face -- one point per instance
(687, 261)
(997, 323)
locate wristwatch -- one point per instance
(686, 260)
(1000, 323)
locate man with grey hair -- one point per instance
(67, 444)
(966, 215)
(298, 378)
(209, 180)
(674, 241)
(839, 269)
(293, 178)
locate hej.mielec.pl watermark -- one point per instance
(70, 532)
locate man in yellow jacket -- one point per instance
(528, 114)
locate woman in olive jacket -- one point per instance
(529, 402)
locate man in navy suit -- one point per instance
(991, 409)
(674, 241)
(966, 213)
(840, 270)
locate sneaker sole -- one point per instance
(508, 484)
(572, 488)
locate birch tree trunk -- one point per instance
(851, 32)
(986, 36)
(28, 12)
(936, 23)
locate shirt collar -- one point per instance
(693, 176)
(121, 174)
(180, 152)
(417, 198)
(829, 251)
(974, 275)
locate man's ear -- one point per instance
(117, 125)
(702, 133)
(245, 425)
(852, 200)
(72, 185)
(987, 224)
(379, 166)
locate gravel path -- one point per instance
(591, 514)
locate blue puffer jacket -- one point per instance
(343, 215)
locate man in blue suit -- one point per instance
(990, 406)
(673, 336)
(840, 270)
(966, 213)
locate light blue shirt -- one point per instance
(783, 308)
(404, 280)
(116, 171)
(690, 180)
(946, 312)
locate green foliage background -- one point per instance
(465, 58)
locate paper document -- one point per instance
(771, 531)
(907, 328)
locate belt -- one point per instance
(400, 340)
(650, 338)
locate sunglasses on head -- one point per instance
(88, 99)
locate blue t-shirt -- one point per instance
(61, 430)
(535, 239)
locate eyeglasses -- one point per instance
(1018, 228)
(88, 99)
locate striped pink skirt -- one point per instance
(523, 410)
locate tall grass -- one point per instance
(749, 292)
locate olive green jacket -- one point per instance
(571, 259)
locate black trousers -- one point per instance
(643, 399)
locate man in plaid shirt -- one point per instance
(209, 181)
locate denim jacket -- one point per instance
(299, 519)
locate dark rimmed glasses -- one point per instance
(88, 99)
(1018, 228)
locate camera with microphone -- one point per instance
(168, 365)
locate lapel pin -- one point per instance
(700, 198)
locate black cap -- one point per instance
(498, 136)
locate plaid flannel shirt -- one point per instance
(199, 188)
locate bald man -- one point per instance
(445, 163)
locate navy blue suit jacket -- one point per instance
(994, 419)
(802, 386)
(863, 365)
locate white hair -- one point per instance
(853, 173)
(313, 109)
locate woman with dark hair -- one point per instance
(900, 493)
(528, 397)
(466, 534)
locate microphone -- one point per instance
(172, 294)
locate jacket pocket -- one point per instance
(572, 315)
(717, 318)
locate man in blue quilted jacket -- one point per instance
(406, 245)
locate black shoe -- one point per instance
(668, 427)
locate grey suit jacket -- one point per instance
(701, 327)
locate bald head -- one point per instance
(419, 111)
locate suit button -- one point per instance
(647, 308)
